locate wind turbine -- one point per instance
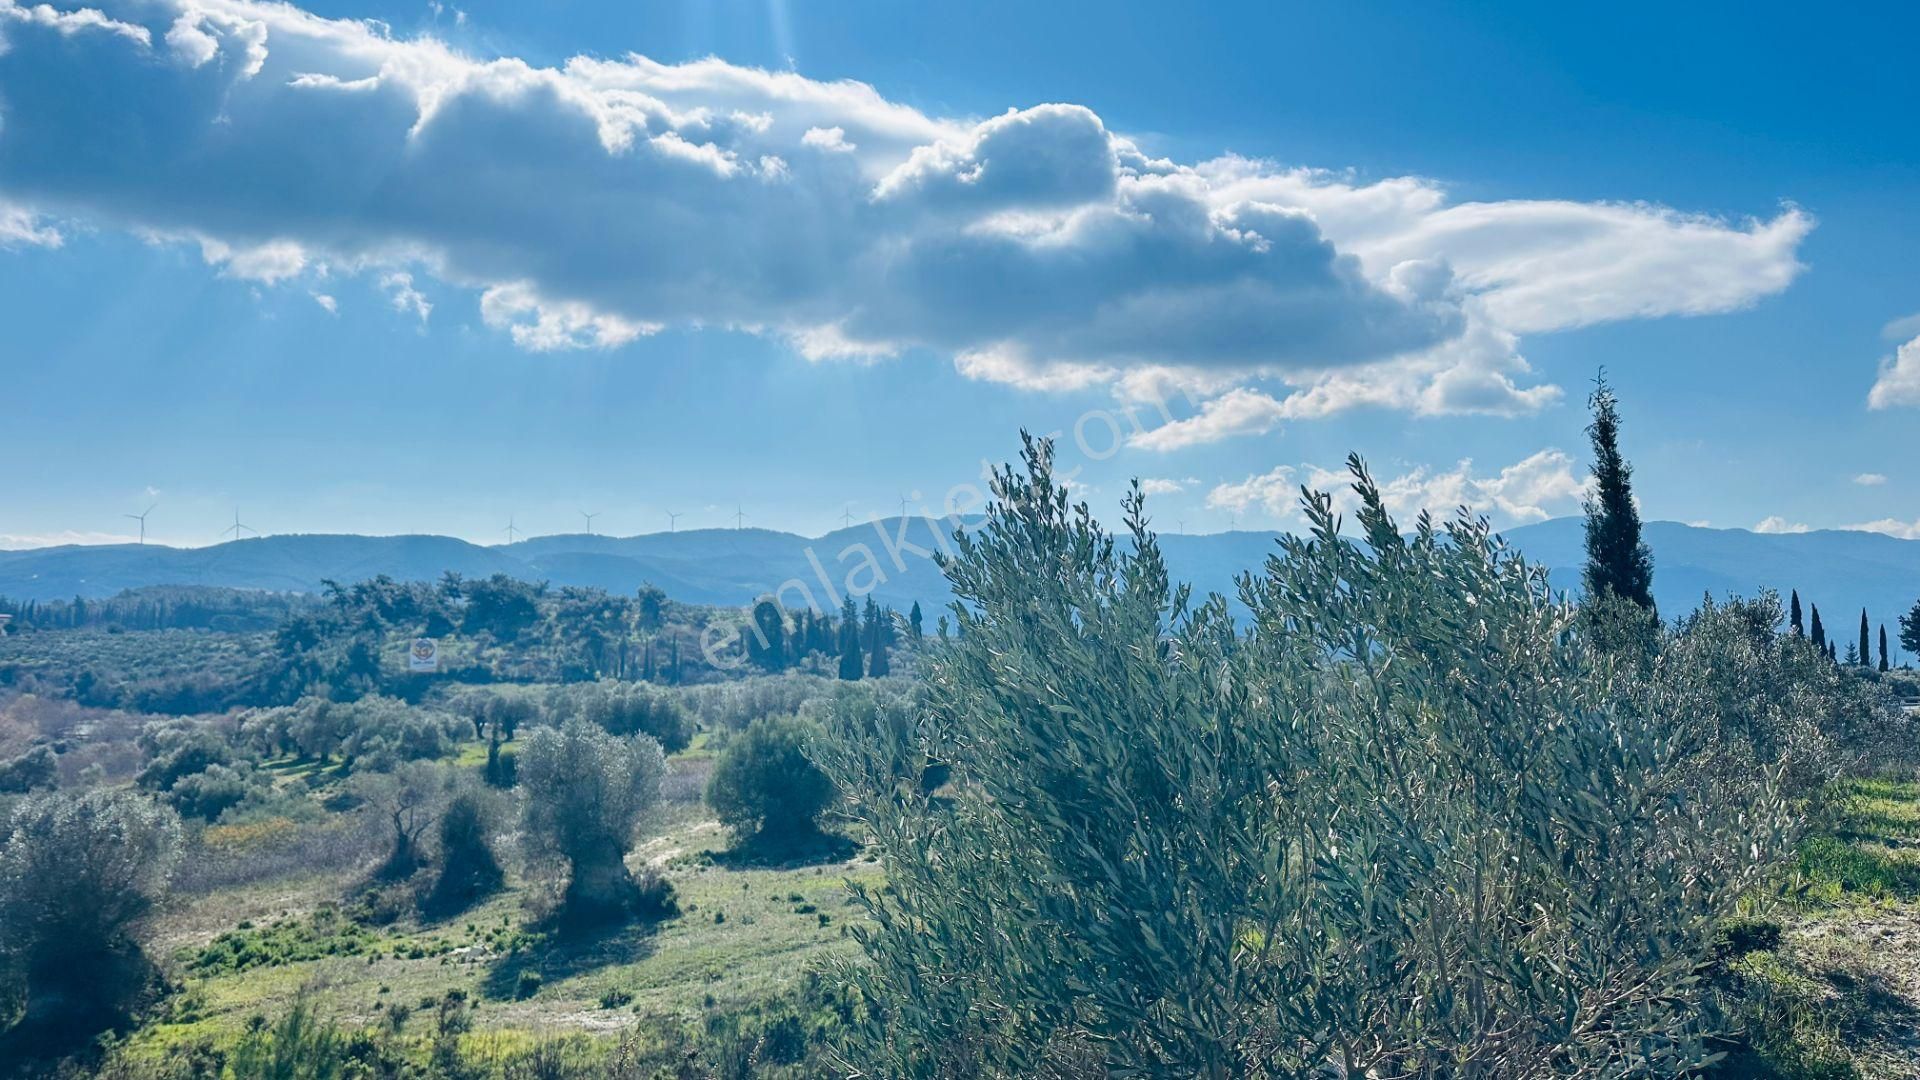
(739, 516)
(1182, 524)
(846, 517)
(236, 527)
(590, 518)
(673, 521)
(141, 517)
(510, 530)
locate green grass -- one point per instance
(1835, 994)
(1871, 851)
(744, 937)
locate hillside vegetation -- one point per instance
(1413, 815)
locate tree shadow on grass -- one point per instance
(769, 852)
(566, 952)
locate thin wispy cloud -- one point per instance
(593, 203)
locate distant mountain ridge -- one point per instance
(1840, 571)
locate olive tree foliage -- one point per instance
(407, 801)
(1406, 824)
(765, 788)
(1771, 702)
(624, 708)
(371, 733)
(583, 793)
(77, 873)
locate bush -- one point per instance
(527, 985)
(77, 873)
(584, 792)
(208, 794)
(1407, 823)
(764, 788)
(468, 868)
(37, 768)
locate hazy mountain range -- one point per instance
(1842, 572)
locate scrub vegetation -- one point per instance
(1411, 814)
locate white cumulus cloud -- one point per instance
(1538, 487)
(602, 199)
(1241, 411)
(1870, 479)
(1776, 524)
(1899, 381)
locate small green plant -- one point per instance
(527, 985)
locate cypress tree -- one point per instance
(877, 657)
(1618, 562)
(1819, 631)
(850, 651)
(915, 631)
(1793, 616)
(1866, 647)
(766, 638)
(1884, 666)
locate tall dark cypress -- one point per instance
(1866, 648)
(1884, 666)
(877, 665)
(1618, 562)
(851, 654)
(1793, 616)
(1819, 631)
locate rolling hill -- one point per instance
(1842, 572)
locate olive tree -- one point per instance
(1405, 822)
(584, 791)
(1774, 703)
(626, 708)
(77, 873)
(409, 800)
(765, 789)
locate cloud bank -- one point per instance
(1536, 488)
(600, 201)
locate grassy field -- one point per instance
(1833, 991)
(745, 934)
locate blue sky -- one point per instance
(425, 276)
